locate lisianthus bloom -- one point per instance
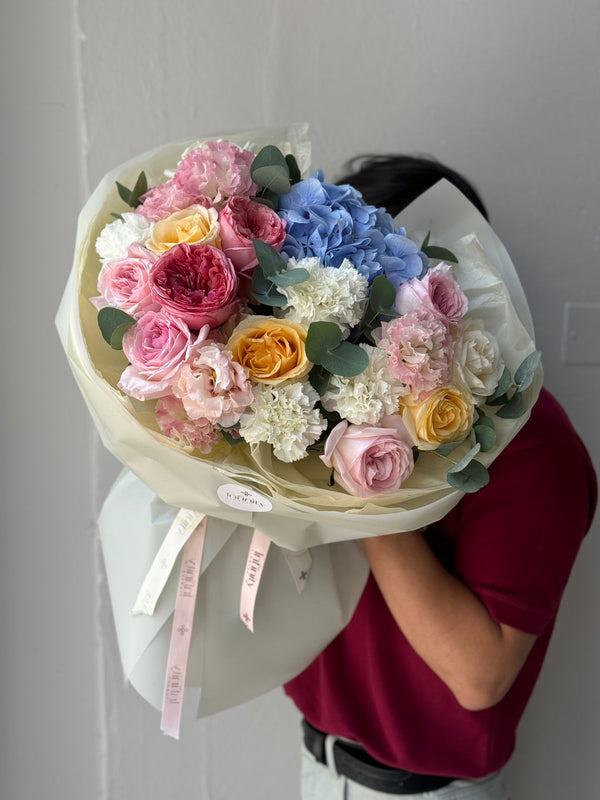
(195, 282)
(445, 415)
(477, 361)
(116, 237)
(156, 347)
(285, 417)
(243, 220)
(329, 294)
(272, 350)
(193, 225)
(211, 385)
(369, 460)
(124, 282)
(197, 434)
(216, 170)
(166, 198)
(419, 347)
(438, 292)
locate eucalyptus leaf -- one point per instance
(426, 241)
(264, 290)
(383, 294)
(447, 448)
(292, 277)
(274, 178)
(114, 323)
(514, 408)
(269, 259)
(294, 169)
(269, 156)
(526, 371)
(441, 253)
(498, 401)
(504, 385)
(485, 435)
(318, 378)
(346, 360)
(321, 337)
(468, 457)
(232, 440)
(470, 479)
(265, 201)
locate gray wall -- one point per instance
(506, 92)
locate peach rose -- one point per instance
(193, 225)
(445, 415)
(272, 350)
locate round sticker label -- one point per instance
(237, 496)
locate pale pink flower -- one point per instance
(370, 460)
(438, 292)
(197, 434)
(419, 346)
(166, 198)
(213, 386)
(123, 282)
(217, 170)
(156, 347)
(243, 220)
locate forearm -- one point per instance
(445, 622)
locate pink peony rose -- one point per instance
(419, 346)
(196, 282)
(124, 282)
(213, 386)
(198, 434)
(217, 170)
(370, 460)
(243, 220)
(438, 292)
(166, 198)
(156, 346)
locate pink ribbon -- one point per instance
(181, 632)
(257, 555)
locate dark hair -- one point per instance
(395, 181)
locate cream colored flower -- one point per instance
(272, 350)
(193, 225)
(445, 415)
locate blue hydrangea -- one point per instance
(334, 222)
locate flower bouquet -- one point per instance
(271, 354)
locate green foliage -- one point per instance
(132, 196)
(514, 407)
(485, 433)
(318, 378)
(291, 278)
(264, 291)
(271, 171)
(441, 253)
(294, 169)
(324, 346)
(470, 479)
(113, 324)
(527, 369)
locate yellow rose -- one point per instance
(446, 415)
(192, 225)
(272, 350)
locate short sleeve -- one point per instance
(520, 534)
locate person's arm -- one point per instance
(445, 622)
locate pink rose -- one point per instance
(419, 346)
(438, 292)
(166, 198)
(243, 220)
(216, 170)
(156, 346)
(370, 460)
(124, 282)
(213, 386)
(196, 282)
(198, 434)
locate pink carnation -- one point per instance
(167, 198)
(213, 386)
(419, 346)
(124, 282)
(243, 220)
(370, 460)
(438, 292)
(217, 170)
(199, 434)
(196, 282)
(156, 347)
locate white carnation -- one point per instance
(366, 397)
(285, 417)
(477, 360)
(116, 237)
(330, 294)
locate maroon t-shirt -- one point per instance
(513, 543)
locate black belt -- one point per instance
(356, 764)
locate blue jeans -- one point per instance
(321, 782)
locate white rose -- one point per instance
(115, 238)
(477, 361)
